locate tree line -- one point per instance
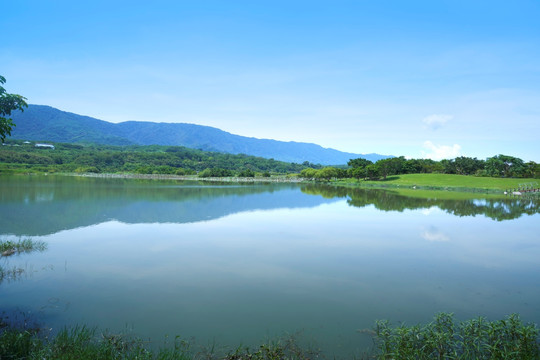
(496, 166)
(154, 159)
(178, 160)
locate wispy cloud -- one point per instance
(439, 152)
(436, 121)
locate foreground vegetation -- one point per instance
(472, 339)
(443, 338)
(88, 344)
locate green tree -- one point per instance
(449, 166)
(358, 167)
(421, 166)
(533, 170)
(8, 103)
(412, 166)
(390, 166)
(505, 166)
(467, 166)
(357, 173)
(327, 173)
(359, 163)
(246, 173)
(308, 173)
(373, 172)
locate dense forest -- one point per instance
(18, 156)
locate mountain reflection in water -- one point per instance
(42, 205)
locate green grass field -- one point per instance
(448, 182)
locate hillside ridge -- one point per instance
(46, 123)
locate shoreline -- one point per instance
(298, 180)
(233, 179)
(287, 179)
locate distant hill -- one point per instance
(45, 123)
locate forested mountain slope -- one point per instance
(45, 123)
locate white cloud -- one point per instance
(434, 235)
(439, 152)
(430, 210)
(436, 121)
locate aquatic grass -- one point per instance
(444, 339)
(10, 247)
(10, 273)
(19, 344)
(280, 349)
(79, 342)
(27, 245)
(84, 343)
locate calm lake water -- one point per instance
(243, 263)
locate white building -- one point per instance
(46, 146)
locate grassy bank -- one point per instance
(443, 182)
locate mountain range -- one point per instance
(45, 123)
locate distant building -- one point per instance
(45, 146)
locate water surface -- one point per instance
(240, 263)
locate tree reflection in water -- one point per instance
(498, 208)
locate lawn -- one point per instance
(450, 182)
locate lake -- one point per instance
(237, 264)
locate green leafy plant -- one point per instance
(474, 339)
(8, 103)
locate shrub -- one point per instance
(215, 172)
(246, 173)
(87, 169)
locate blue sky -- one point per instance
(435, 79)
